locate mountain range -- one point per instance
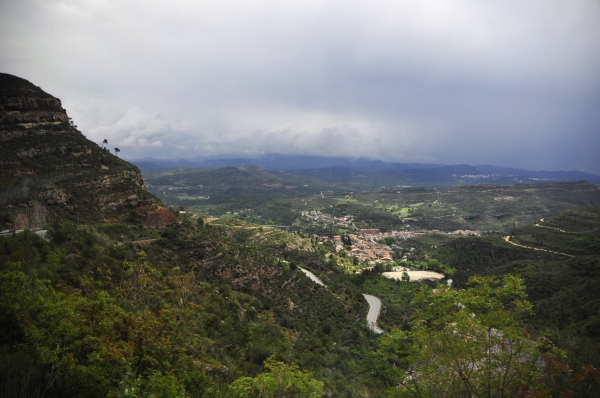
(375, 173)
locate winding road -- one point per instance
(374, 308)
(313, 277)
(374, 303)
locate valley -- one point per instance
(242, 282)
(453, 233)
(266, 198)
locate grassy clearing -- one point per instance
(348, 200)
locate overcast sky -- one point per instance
(511, 83)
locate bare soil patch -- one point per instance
(415, 276)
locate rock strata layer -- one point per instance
(46, 163)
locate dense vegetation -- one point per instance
(97, 305)
(563, 289)
(471, 343)
(222, 310)
(89, 313)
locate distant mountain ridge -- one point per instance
(374, 172)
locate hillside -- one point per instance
(229, 179)
(113, 307)
(109, 301)
(182, 309)
(563, 287)
(498, 207)
(51, 171)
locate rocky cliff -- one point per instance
(49, 170)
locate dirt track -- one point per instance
(556, 229)
(507, 239)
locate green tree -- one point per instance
(468, 343)
(405, 276)
(281, 381)
(164, 386)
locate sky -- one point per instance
(510, 83)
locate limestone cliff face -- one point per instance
(32, 111)
(49, 170)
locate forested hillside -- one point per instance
(205, 310)
(181, 311)
(564, 288)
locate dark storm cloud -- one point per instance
(510, 83)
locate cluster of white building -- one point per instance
(465, 232)
(367, 249)
(365, 245)
(317, 216)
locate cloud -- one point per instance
(140, 132)
(454, 81)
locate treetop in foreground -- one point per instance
(470, 343)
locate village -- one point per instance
(371, 245)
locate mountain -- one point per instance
(560, 175)
(119, 308)
(222, 308)
(51, 171)
(276, 162)
(373, 173)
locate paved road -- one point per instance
(312, 276)
(374, 308)
(374, 303)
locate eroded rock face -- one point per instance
(32, 217)
(21, 221)
(38, 217)
(44, 159)
(160, 217)
(23, 103)
(54, 196)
